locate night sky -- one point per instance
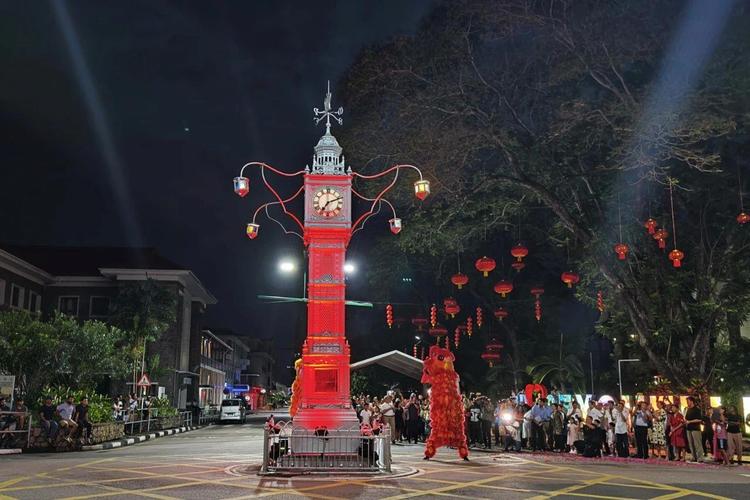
(179, 96)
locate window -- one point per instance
(2, 292)
(99, 307)
(16, 296)
(68, 305)
(34, 303)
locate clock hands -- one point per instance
(331, 201)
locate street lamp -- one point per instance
(287, 266)
(350, 268)
(619, 370)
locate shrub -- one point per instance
(100, 406)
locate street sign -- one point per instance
(144, 381)
(7, 384)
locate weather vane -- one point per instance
(327, 113)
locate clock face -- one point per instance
(328, 202)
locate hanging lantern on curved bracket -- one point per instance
(485, 265)
(395, 225)
(422, 189)
(570, 278)
(503, 287)
(650, 225)
(459, 279)
(389, 315)
(252, 230)
(241, 186)
(676, 257)
(519, 251)
(661, 236)
(621, 249)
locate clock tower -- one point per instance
(325, 394)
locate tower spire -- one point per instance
(327, 159)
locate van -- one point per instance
(232, 410)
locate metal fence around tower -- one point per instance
(290, 449)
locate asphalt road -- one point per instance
(213, 463)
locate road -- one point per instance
(211, 463)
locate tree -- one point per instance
(145, 310)
(573, 117)
(60, 351)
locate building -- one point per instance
(215, 368)
(82, 282)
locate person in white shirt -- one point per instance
(365, 416)
(622, 426)
(609, 426)
(574, 418)
(389, 415)
(65, 410)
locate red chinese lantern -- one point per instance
(438, 331)
(600, 301)
(538, 309)
(422, 189)
(479, 317)
(518, 266)
(450, 301)
(469, 325)
(676, 256)
(650, 224)
(537, 291)
(621, 249)
(743, 218)
(661, 236)
(485, 265)
(519, 251)
(494, 345)
(389, 315)
(459, 279)
(570, 278)
(395, 225)
(490, 357)
(241, 186)
(501, 313)
(252, 230)
(452, 310)
(503, 287)
(433, 315)
(419, 323)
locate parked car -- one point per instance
(233, 410)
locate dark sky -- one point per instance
(187, 92)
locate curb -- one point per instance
(10, 451)
(137, 439)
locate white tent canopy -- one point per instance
(396, 361)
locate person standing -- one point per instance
(399, 420)
(693, 421)
(720, 431)
(487, 417)
(541, 414)
(558, 428)
(656, 432)
(641, 425)
(365, 416)
(677, 433)
(411, 416)
(622, 426)
(388, 410)
(574, 418)
(734, 434)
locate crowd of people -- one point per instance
(605, 428)
(67, 420)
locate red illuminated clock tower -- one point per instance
(326, 230)
(328, 224)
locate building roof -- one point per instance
(396, 361)
(87, 261)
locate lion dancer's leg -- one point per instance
(429, 447)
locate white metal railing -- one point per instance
(286, 448)
(208, 415)
(10, 431)
(153, 422)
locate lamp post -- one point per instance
(619, 370)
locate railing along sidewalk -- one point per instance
(7, 434)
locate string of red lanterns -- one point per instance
(389, 315)
(479, 317)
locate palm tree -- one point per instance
(565, 370)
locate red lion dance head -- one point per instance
(446, 409)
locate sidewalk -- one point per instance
(128, 441)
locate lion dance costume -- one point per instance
(296, 389)
(446, 409)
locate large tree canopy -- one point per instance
(565, 122)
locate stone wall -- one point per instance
(107, 431)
